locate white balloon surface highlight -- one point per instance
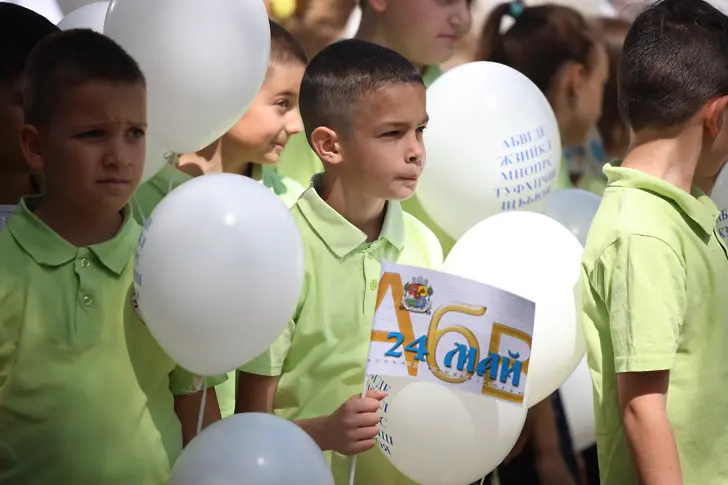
(443, 436)
(252, 448)
(574, 209)
(577, 397)
(91, 16)
(535, 257)
(219, 272)
(492, 144)
(204, 62)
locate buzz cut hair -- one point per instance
(67, 60)
(344, 74)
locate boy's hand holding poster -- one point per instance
(453, 356)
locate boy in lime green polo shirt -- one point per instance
(423, 31)
(250, 148)
(655, 273)
(86, 394)
(20, 30)
(363, 108)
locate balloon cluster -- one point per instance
(493, 162)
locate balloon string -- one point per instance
(138, 208)
(201, 416)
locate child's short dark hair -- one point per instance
(284, 47)
(542, 39)
(675, 59)
(20, 31)
(67, 60)
(342, 74)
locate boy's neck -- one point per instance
(222, 156)
(14, 185)
(363, 212)
(369, 32)
(80, 229)
(673, 159)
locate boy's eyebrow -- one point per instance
(95, 124)
(403, 124)
(287, 93)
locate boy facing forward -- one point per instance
(363, 109)
(654, 272)
(84, 389)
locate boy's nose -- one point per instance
(295, 123)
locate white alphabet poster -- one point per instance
(436, 327)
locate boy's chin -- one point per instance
(401, 194)
(270, 158)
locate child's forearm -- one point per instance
(318, 430)
(541, 423)
(188, 407)
(652, 442)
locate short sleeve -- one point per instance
(270, 362)
(183, 382)
(647, 304)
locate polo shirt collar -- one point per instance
(49, 249)
(697, 206)
(431, 74)
(341, 236)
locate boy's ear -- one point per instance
(325, 143)
(31, 147)
(573, 78)
(715, 118)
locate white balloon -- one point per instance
(68, 6)
(492, 145)
(537, 258)
(443, 436)
(91, 16)
(47, 8)
(204, 61)
(251, 448)
(574, 209)
(155, 158)
(577, 397)
(720, 197)
(219, 272)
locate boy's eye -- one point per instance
(283, 103)
(421, 129)
(91, 134)
(391, 134)
(137, 133)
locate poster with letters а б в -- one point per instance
(436, 327)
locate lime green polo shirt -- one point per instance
(86, 392)
(653, 297)
(151, 193)
(321, 356)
